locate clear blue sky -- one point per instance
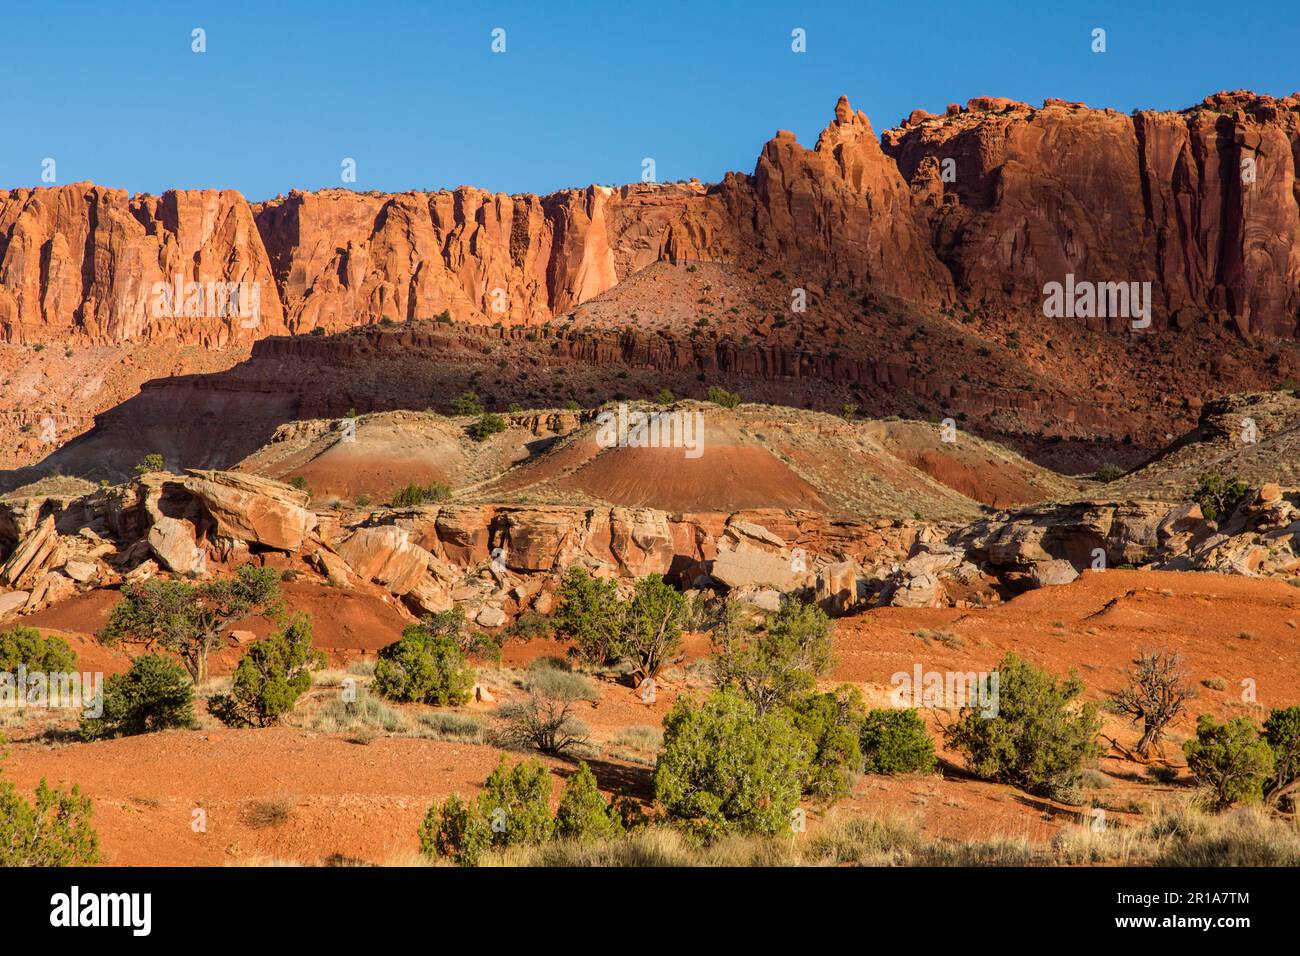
(412, 91)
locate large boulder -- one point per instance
(35, 554)
(172, 543)
(640, 541)
(12, 601)
(751, 556)
(543, 539)
(386, 555)
(837, 587)
(253, 509)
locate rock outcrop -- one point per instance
(1204, 203)
(986, 203)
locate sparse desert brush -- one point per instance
(366, 714)
(413, 495)
(944, 637)
(448, 725)
(1186, 836)
(427, 665)
(583, 815)
(269, 812)
(1231, 761)
(26, 647)
(544, 719)
(52, 830)
(270, 677)
(512, 810)
(727, 768)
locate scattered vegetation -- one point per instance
(583, 815)
(1219, 496)
(512, 810)
(1156, 693)
(544, 720)
(270, 677)
(24, 646)
(486, 426)
(414, 495)
(1230, 760)
(54, 830)
(427, 664)
(155, 694)
(189, 619)
(590, 614)
(895, 740)
(467, 404)
(727, 768)
(778, 662)
(720, 396)
(1038, 740)
(150, 463)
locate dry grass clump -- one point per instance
(1174, 837)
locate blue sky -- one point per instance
(584, 91)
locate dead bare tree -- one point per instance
(1156, 693)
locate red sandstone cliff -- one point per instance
(1160, 197)
(1034, 194)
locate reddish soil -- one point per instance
(365, 801)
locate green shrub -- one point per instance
(513, 809)
(455, 830)
(466, 403)
(21, 646)
(590, 615)
(831, 722)
(155, 694)
(777, 662)
(1230, 760)
(1107, 472)
(190, 619)
(426, 666)
(414, 495)
(1282, 734)
(726, 768)
(1218, 496)
(150, 463)
(55, 830)
(583, 814)
(300, 483)
(652, 627)
(529, 625)
(524, 792)
(1037, 741)
(720, 396)
(895, 740)
(487, 425)
(665, 397)
(270, 677)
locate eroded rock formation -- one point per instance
(987, 202)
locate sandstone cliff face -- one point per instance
(838, 212)
(1204, 204)
(987, 203)
(81, 261)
